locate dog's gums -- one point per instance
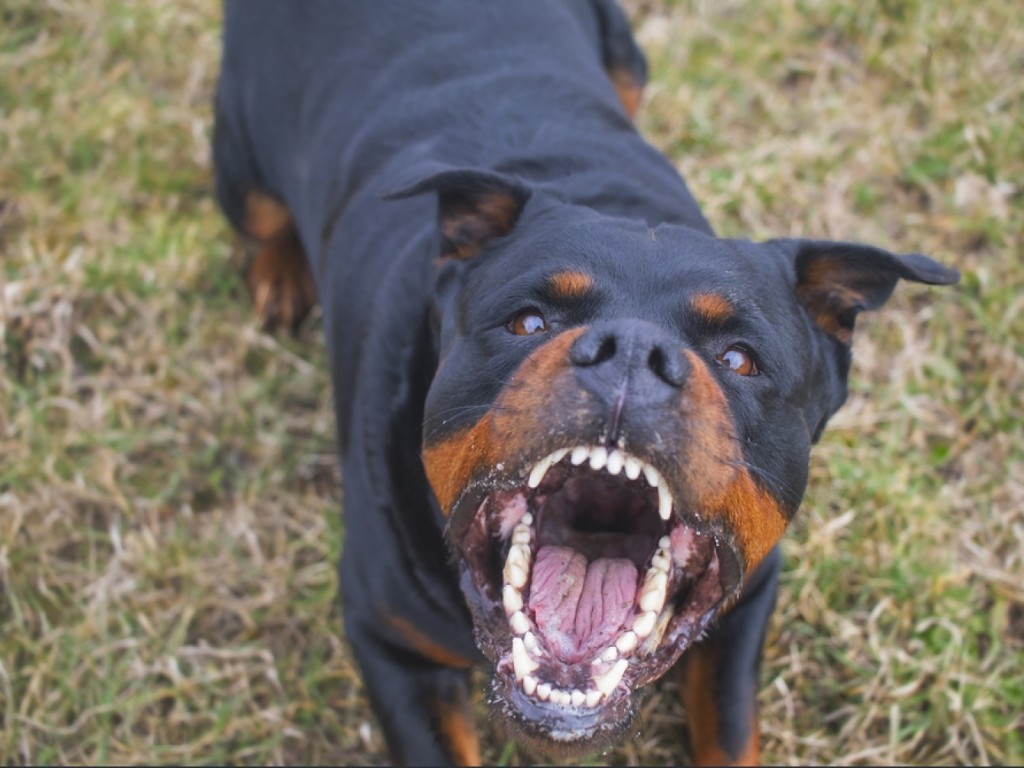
(588, 583)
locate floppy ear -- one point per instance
(473, 207)
(835, 281)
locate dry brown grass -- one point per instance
(168, 494)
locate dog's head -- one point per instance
(618, 431)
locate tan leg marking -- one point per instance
(277, 275)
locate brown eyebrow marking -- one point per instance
(712, 307)
(569, 284)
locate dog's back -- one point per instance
(338, 106)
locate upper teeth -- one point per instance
(541, 467)
(633, 467)
(613, 462)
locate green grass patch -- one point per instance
(168, 490)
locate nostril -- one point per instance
(606, 351)
(668, 366)
(626, 349)
(593, 349)
(656, 362)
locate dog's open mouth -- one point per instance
(587, 582)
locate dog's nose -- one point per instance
(634, 354)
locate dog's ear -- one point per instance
(835, 281)
(473, 207)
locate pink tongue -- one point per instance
(577, 607)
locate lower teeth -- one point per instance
(526, 645)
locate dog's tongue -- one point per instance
(579, 607)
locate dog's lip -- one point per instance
(579, 709)
(542, 722)
(506, 476)
(501, 478)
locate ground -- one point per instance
(168, 492)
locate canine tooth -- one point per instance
(519, 623)
(558, 455)
(598, 457)
(651, 475)
(593, 698)
(512, 599)
(615, 462)
(644, 623)
(521, 661)
(664, 503)
(632, 467)
(529, 684)
(579, 455)
(607, 682)
(578, 697)
(626, 642)
(539, 470)
(544, 691)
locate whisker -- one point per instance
(431, 424)
(779, 482)
(782, 483)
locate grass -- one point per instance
(168, 493)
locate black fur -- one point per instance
(382, 128)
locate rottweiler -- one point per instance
(573, 423)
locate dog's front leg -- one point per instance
(422, 706)
(721, 675)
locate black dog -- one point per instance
(561, 400)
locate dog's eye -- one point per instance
(739, 360)
(528, 322)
